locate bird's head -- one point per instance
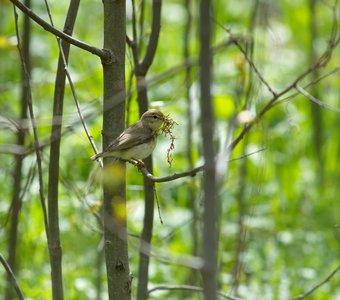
(152, 118)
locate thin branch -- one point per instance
(157, 80)
(323, 59)
(104, 54)
(309, 292)
(172, 177)
(317, 101)
(28, 180)
(13, 279)
(188, 63)
(133, 43)
(153, 42)
(188, 288)
(189, 173)
(158, 205)
(18, 172)
(35, 133)
(248, 59)
(81, 194)
(54, 243)
(81, 117)
(321, 62)
(64, 59)
(169, 73)
(142, 14)
(315, 81)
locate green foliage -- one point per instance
(286, 196)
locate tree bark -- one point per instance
(141, 69)
(17, 175)
(114, 206)
(316, 110)
(210, 216)
(54, 243)
(192, 193)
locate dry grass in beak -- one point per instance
(166, 129)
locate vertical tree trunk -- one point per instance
(144, 251)
(114, 208)
(191, 198)
(17, 175)
(54, 244)
(141, 69)
(316, 110)
(210, 217)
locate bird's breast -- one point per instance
(140, 151)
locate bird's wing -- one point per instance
(125, 140)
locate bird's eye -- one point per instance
(155, 117)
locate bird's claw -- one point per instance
(139, 164)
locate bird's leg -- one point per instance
(138, 163)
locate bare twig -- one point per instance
(104, 54)
(189, 173)
(69, 79)
(314, 81)
(54, 243)
(188, 288)
(13, 279)
(246, 56)
(158, 205)
(317, 101)
(18, 173)
(189, 62)
(321, 62)
(169, 73)
(133, 43)
(35, 133)
(81, 117)
(153, 42)
(309, 292)
(142, 15)
(172, 177)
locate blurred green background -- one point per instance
(279, 208)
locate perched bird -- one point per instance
(138, 140)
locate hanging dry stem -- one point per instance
(166, 129)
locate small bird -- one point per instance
(138, 140)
